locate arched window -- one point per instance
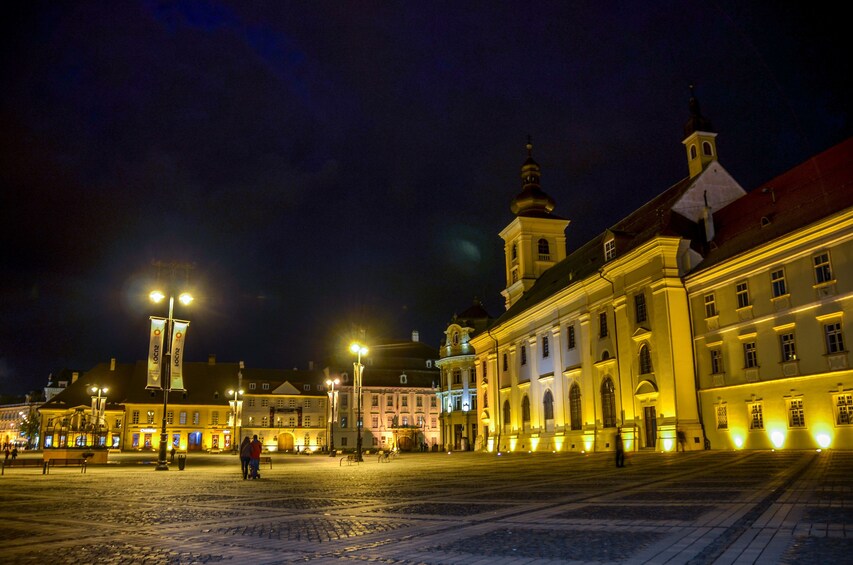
(608, 404)
(523, 355)
(525, 410)
(692, 151)
(548, 405)
(455, 338)
(706, 148)
(544, 251)
(575, 406)
(514, 252)
(507, 419)
(645, 360)
(457, 377)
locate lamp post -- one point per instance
(235, 439)
(357, 369)
(185, 298)
(330, 383)
(465, 407)
(98, 406)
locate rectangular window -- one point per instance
(196, 418)
(789, 348)
(834, 337)
(777, 283)
(457, 377)
(796, 418)
(307, 421)
(389, 401)
(545, 347)
(432, 422)
(170, 417)
(264, 421)
(251, 386)
(291, 402)
(722, 417)
(472, 375)
(265, 402)
(609, 249)
(134, 419)
(756, 416)
(214, 418)
(844, 409)
(374, 400)
(374, 421)
(750, 355)
(602, 324)
(279, 403)
(150, 418)
(419, 401)
(344, 400)
(344, 422)
(390, 421)
(404, 401)
(742, 291)
(344, 441)
(506, 363)
(432, 402)
(182, 418)
(710, 305)
(640, 307)
(484, 371)
(571, 336)
(252, 402)
(265, 386)
(523, 355)
(716, 361)
(307, 403)
(822, 269)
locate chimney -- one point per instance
(310, 365)
(415, 336)
(113, 364)
(211, 359)
(74, 377)
(708, 220)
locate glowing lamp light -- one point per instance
(156, 296)
(778, 439)
(185, 298)
(667, 444)
(358, 348)
(823, 440)
(738, 441)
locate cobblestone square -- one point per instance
(699, 507)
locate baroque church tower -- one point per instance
(536, 239)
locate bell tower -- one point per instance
(536, 239)
(700, 139)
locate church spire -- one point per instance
(699, 138)
(532, 200)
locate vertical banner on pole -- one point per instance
(155, 353)
(176, 372)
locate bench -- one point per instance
(265, 460)
(350, 459)
(20, 463)
(60, 462)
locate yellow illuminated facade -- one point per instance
(770, 318)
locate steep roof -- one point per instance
(814, 190)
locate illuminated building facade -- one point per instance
(770, 302)
(399, 404)
(462, 393)
(602, 339)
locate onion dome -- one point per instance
(532, 200)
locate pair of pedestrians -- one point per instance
(250, 457)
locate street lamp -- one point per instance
(466, 440)
(99, 405)
(330, 384)
(357, 369)
(235, 439)
(166, 384)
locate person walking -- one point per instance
(14, 453)
(620, 449)
(255, 457)
(245, 456)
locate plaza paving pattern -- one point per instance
(702, 507)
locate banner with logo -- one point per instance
(155, 353)
(179, 333)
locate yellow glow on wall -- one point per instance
(587, 444)
(512, 443)
(490, 445)
(738, 441)
(558, 444)
(778, 438)
(823, 440)
(628, 444)
(667, 444)
(534, 443)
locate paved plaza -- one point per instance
(471, 508)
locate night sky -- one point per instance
(333, 165)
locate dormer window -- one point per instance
(306, 388)
(609, 249)
(265, 386)
(544, 250)
(706, 149)
(251, 386)
(403, 379)
(693, 153)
